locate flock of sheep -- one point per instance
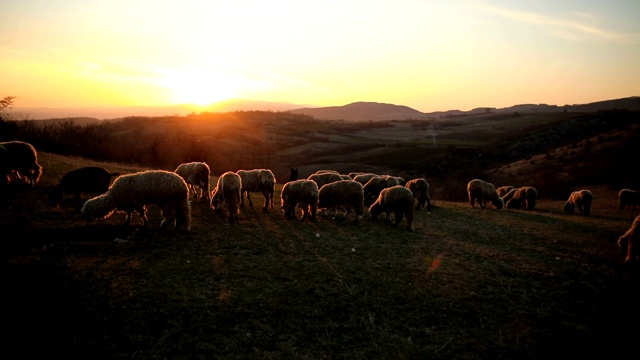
(325, 189)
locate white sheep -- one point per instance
(324, 178)
(483, 192)
(420, 189)
(22, 158)
(227, 193)
(397, 200)
(258, 180)
(346, 194)
(301, 193)
(503, 190)
(521, 198)
(90, 179)
(631, 238)
(581, 199)
(195, 174)
(134, 192)
(628, 197)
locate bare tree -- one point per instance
(5, 104)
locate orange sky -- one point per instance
(429, 55)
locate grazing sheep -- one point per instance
(397, 199)
(258, 180)
(631, 238)
(348, 194)
(628, 197)
(324, 178)
(373, 187)
(302, 193)
(582, 200)
(522, 198)
(509, 195)
(293, 174)
(483, 191)
(195, 174)
(420, 189)
(503, 190)
(134, 192)
(228, 192)
(21, 157)
(364, 178)
(90, 179)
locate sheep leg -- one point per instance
(428, 204)
(169, 217)
(631, 252)
(143, 214)
(265, 194)
(399, 215)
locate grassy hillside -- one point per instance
(468, 284)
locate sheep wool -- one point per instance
(397, 200)
(258, 180)
(195, 174)
(348, 194)
(420, 189)
(21, 157)
(134, 192)
(227, 193)
(581, 199)
(628, 198)
(632, 240)
(521, 198)
(483, 192)
(301, 193)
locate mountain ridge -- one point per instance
(356, 111)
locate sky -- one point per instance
(428, 55)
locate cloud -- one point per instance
(576, 27)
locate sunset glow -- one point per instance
(426, 54)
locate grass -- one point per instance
(468, 284)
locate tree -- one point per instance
(5, 104)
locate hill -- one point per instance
(469, 283)
(362, 111)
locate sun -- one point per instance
(199, 87)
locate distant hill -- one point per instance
(357, 111)
(372, 111)
(363, 111)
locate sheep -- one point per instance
(195, 174)
(628, 197)
(373, 187)
(302, 193)
(483, 191)
(397, 199)
(523, 197)
(228, 191)
(581, 199)
(90, 179)
(420, 189)
(258, 180)
(631, 238)
(348, 194)
(134, 192)
(364, 177)
(509, 195)
(293, 174)
(503, 190)
(21, 157)
(324, 178)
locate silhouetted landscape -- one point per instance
(468, 284)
